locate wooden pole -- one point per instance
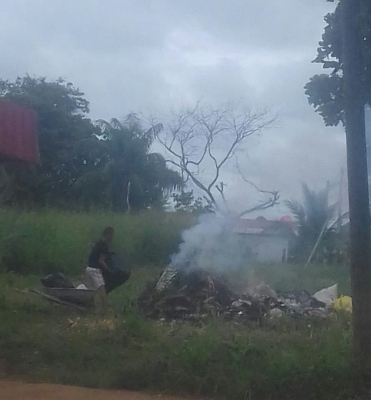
(316, 244)
(359, 214)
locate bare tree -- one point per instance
(201, 142)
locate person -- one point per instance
(99, 265)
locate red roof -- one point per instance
(262, 226)
(18, 133)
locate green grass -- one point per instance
(285, 359)
(40, 242)
(295, 277)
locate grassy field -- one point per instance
(40, 242)
(285, 359)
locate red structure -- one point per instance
(18, 133)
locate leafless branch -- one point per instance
(273, 196)
(220, 189)
(207, 138)
(272, 201)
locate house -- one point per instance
(269, 241)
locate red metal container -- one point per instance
(18, 133)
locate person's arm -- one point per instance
(103, 263)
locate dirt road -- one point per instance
(15, 390)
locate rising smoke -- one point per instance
(212, 244)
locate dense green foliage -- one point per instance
(83, 164)
(186, 201)
(325, 91)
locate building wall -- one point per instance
(267, 248)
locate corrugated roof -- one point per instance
(18, 133)
(262, 226)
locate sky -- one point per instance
(151, 56)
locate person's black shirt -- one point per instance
(100, 248)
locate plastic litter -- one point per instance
(343, 303)
(82, 287)
(328, 295)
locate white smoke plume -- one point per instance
(212, 245)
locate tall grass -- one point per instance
(39, 242)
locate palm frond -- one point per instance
(297, 210)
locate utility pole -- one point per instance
(359, 214)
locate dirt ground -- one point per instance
(16, 390)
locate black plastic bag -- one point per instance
(57, 280)
(118, 275)
(116, 263)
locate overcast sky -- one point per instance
(151, 55)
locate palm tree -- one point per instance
(314, 218)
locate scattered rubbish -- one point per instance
(327, 295)
(192, 294)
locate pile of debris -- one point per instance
(193, 294)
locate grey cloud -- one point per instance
(276, 25)
(150, 55)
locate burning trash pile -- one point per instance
(193, 294)
(185, 291)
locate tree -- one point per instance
(326, 91)
(104, 165)
(313, 217)
(130, 177)
(17, 182)
(186, 201)
(201, 142)
(63, 132)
